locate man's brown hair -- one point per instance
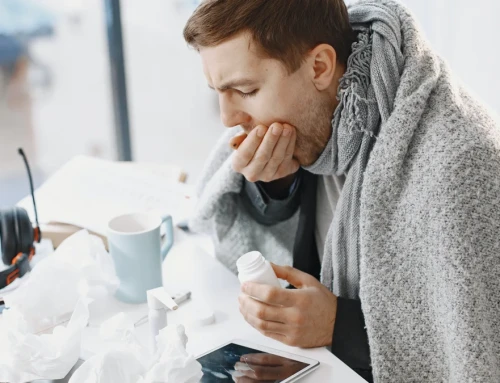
(283, 29)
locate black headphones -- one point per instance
(17, 238)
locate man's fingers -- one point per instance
(248, 148)
(293, 276)
(237, 140)
(291, 145)
(261, 310)
(266, 148)
(278, 155)
(265, 326)
(269, 294)
(266, 156)
(289, 165)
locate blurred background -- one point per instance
(60, 86)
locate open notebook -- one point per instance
(88, 192)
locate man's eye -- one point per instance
(249, 94)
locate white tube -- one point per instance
(157, 322)
(158, 302)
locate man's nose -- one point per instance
(231, 115)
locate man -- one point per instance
(364, 164)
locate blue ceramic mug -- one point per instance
(134, 242)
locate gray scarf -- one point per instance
(366, 94)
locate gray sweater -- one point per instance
(429, 228)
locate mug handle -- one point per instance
(169, 234)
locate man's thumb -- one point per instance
(293, 276)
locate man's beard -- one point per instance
(313, 133)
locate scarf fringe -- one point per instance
(353, 87)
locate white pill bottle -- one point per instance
(253, 267)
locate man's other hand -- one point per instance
(304, 317)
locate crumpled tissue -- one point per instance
(60, 287)
(25, 356)
(130, 362)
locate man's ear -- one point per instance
(323, 63)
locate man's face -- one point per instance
(254, 90)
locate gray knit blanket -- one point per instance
(429, 224)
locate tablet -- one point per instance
(243, 361)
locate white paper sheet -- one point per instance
(88, 192)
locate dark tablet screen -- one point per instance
(234, 362)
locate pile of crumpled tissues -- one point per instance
(34, 342)
(129, 362)
(61, 287)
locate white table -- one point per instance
(189, 267)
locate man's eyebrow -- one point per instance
(234, 84)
